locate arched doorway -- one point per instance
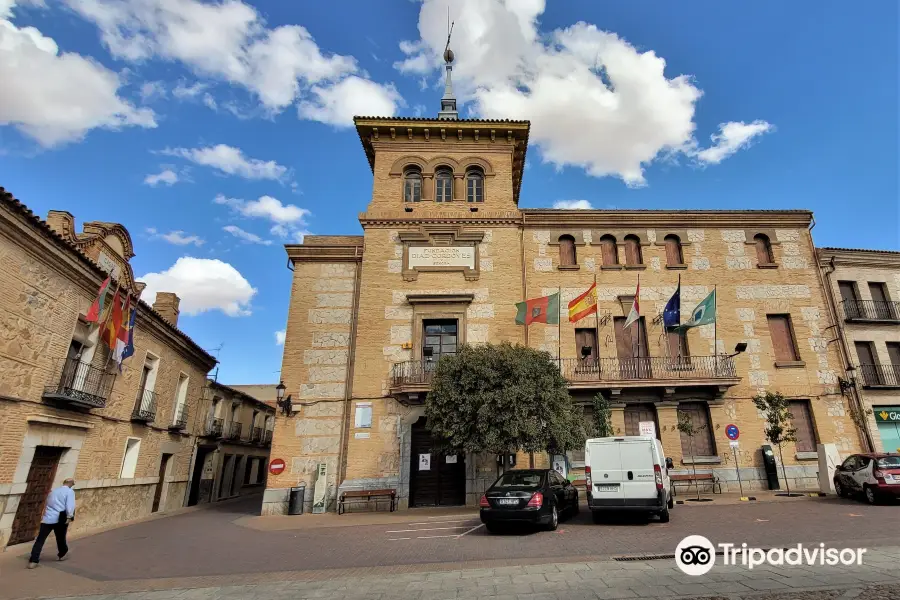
(434, 480)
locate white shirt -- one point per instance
(60, 500)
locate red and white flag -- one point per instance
(635, 313)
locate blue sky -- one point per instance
(242, 113)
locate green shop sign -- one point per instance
(887, 414)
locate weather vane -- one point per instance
(448, 53)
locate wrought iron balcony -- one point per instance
(267, 437)
(871, 310)
(880, 376)
(80, 384)
(214, 427)
(180, 420)
(145, 407)
(256, 435)
(234, 430)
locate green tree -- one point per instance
(500, 399)
(779, 424)
(687, 427)
(602, 421)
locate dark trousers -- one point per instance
(59, 529)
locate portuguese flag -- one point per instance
(538, 310)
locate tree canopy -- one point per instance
(502, 398)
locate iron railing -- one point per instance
(575, 370)
(80, 384)
(880, 375)
(256, 435)
(234, 430)
(267, 437)
(144, 407)
(179, 422)
(214, 427)
(871, 310)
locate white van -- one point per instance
(627, 473)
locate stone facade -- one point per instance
(50, 276)
(344, 360)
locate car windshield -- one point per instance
(889, 462)
(528, 479)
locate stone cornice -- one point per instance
(324, 253)
(401, 218)
(884, 259)
(686, 219)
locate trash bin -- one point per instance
(771, 467)
(295, 500)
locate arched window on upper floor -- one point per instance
(567, 257)
(609, 250)
(763, 249)
(474, 185)
(674, 254)
(443, 185)
(412, 185)
(633, 250)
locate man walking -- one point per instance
(59, 511)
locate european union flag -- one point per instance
(129, 348)
(672, 312)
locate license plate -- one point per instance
(607, 488)
(507, 501)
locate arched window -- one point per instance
(475, 186)
(412, 185)
(608, 250)
(763, 249)
(674, 255)
(633, 250)
(567, 256)
(443, 185)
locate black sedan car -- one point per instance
(536, 496)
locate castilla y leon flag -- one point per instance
(538, 310)
(583, 305)
(635, 313)
(97, 307)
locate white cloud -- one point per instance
(337, 104)
(288, 220)
(166, 176)
(183, 91)
(227, 41)
(279, 337)
(152, 90)
(732, 137)
(594, 100)
(231, 160)
(56, 97)
(573, 204)
(246, 235)
(178, 238)
(203, 285)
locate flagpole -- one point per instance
(597, 328)
(559, 328)
(716, 328)
(106, 324)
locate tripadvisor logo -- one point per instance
(696, 555)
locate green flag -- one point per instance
(538, 310)
(703, 314)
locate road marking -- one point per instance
(428, 537)
(479, 526)
(397, 539)
(434, 522)
(446, 516)
(426, 529)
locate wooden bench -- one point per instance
(689, 479)
(364, 496)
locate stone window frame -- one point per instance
(438, 306)
(619, 235)
(750, 240)
(427, 167)
(578, 236)
(682, 237)
(429, 236)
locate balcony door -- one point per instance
(892, 371)
(880, 300)
(439, 338)
(632, 349)
(849, 298)
(869, 368)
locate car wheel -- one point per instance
(575, 507)
(491, 527)
(671, 502)
(839, 489)
(664, 515)
(871, 496)
(596, 517)
(554, 519)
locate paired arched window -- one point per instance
(763, 249)
(674, 254)
(475, 185)
(412, 185)
(633, 250)
(567, 257)
(443, 185)
(609, 251)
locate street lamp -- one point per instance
(280, 400)
(739, 348)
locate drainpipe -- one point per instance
(348, 386)
(524, 279)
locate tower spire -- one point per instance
(448, 102)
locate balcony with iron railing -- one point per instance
(410, 380)
(267, 437)
(879, 376)
(214, 427)
(234, 431)
(79, 384)
(179, 422)
(871, 311)
(144, 407)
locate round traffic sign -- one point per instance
(276, 467)
(732, 432)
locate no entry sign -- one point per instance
(732, 432)
(276, 467)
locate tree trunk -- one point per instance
(784, 471)
(694, 465)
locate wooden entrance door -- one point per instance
(163, 463)
(635, 413)
(38, 485)
(438, 480)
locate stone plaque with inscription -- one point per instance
(441, 256)
(440, 249)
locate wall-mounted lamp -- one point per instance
(285, 403)
(739, 348)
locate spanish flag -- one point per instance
(583, 305)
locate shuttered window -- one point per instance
(763, 249)
(674, 255)
(633, 250)
(609, 251)
(567, 256)
(676, 343)
(703, 438)
(783, 338)
(801, 417)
